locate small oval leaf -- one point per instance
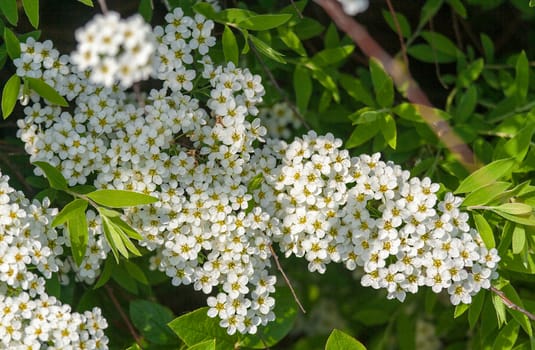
(120, 198)
(339, 340)
(10, 95)
(54, 176)
(46, 91)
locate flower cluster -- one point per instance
(196, 161)
(280, 121)
(364, 212)
(29, 250)
(224, 199)
(115, 50)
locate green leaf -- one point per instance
(233, 15)
(87, 2)
(46, 91)
(519, 145)
(382, 84)
(54, 176)
(286, 313)
(475, 308)
(467, 104)
(308, 28)
(136, 272)
(521, 318)
(519, 239)
(522, 76)
(10, 10)
(205, 9)
(326, 80)
(10, 95)
(523, 220)
(488, 47)
(12, 44)
(388, 129)
(332, 38)
(205, 345)
(484, 230)
(290, 39)
(404, 24)
(120, 198)
(339, 340)
(470, 73)
(130, 246)
(196, 327)
(72, 209)
(230, 46)
(514, 208)
(485, 194)
(361, 134)
(113, 238)
(264, 22)
(442, 44)
(31, 8)
(83, 189)
(124, 280)
(430, 8)
(267, 50)
(332, 56)
(106, 273)
(506, 338)
(409, 111)
(78, 235)
(125, 228)
(303, 87)
(460, 309)
(458, 6)
(151, 320)
(426, 53)
(145, 9)
(486, 175)
(531, 3)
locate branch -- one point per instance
(400, 34)
(125, 318)
(103, 6)
(279, 267)
(512, 305)
(403, 80)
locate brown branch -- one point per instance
(103, 6)
(403, 80)
(279, 267)
(125, 318)
(510, 304)
(400, 34)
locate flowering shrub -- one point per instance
(183, 178)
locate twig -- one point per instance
(296, 9)
(279, 267)
(435, 58)
(456, 30)
(400, 34)
(277, 86)
(117, 305)
(18, 175)
(103, 6)
(404, 82)
(512, 305)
